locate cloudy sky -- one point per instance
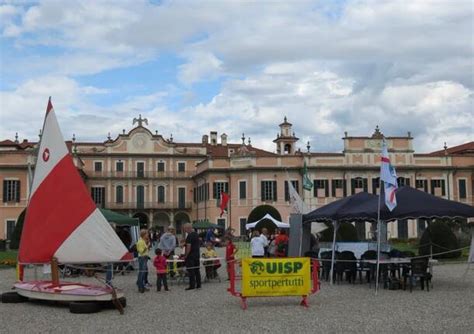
(240, 66)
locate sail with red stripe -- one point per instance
(62, 220)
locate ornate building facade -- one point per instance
(163, 182)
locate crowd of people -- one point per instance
(165, 246)
(263, 244)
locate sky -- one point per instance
(191, 67)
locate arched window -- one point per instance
(287, 148)
(161, 194)
(119, 194)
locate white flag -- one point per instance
(296, 202)
(389, 177)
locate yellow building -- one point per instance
(164, 182)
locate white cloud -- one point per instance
(406, 66)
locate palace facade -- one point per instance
(142, 174)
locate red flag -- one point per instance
(224, 201)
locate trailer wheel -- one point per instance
(13, 298)
(109, 305)
(84, 307)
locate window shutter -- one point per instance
(275, 195)
(4, 191)
(287, 192)
(425, 185)
(462, 189)
(443, 188)
(315, 188)
(297, 186)
(352, 186)
(262, 190)
(432, 187)
(226, 187)
(407, 181)
(214, 190)
(18, 191)
(326, 188)
(344, 184)
(333, 188)
(374, 186)
(365, 185)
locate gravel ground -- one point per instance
(448, 308)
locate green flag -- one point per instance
(307, 184)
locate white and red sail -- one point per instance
(62, 221)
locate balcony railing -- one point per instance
(149, 205)
(138, 174)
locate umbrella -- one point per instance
(278, 223)
(118, 218)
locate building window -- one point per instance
(181, 166)
(338, 188)
(269, 191)
(375, 185)
(321, 188)
(242, 189)
(358, 183)
(181, 198)
(161, 194)
(160, 167)
(9, 227)
(220, 187)
(119, 166)
(403, 181)
(98, 166)
(294, 183)
(438, 187)
(243, 229)
(462, 189)
(221, 222)
(402, 227)
(119, 194)
(98, 196)
(140, 169)
(422, 185)
(11, 191)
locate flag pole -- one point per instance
(379, 227)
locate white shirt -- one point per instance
(265, 239)
(257, 245)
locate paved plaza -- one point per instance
(447, 308)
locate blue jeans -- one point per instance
(142, 270)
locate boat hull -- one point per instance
(65, 291)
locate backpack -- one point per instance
(133, 248)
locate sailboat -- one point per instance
(64, 226)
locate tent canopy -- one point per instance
(118, 218)
(205, 225)
(411, 204)
(277, 223)
(342, 210)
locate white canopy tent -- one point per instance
(277, 223)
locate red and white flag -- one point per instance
(388, 176)
(62, 221)
(224, 201)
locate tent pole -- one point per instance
(335, 226)
(379, 228)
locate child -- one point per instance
(230, 251)
(211, 266)
(160, 265)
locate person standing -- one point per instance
(230, 251)
(160, 264)
(264, 235)
(281, 243)
(257, 245)
(168, 244)
(142, 250)
(192, 257)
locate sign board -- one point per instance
(268, 277)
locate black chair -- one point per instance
(326, 258)
(364, 266)
(346, 264)
(419, 270)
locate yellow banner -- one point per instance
(276, 277)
